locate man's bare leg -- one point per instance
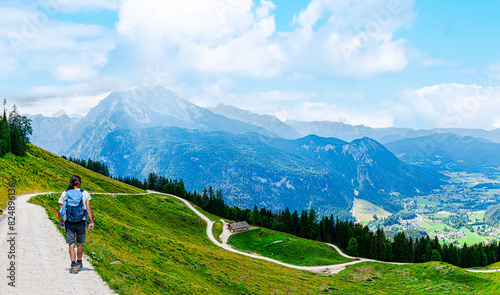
(72, 252)
(79, 251)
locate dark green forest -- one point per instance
(90, 164)
(14, 132)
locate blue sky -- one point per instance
(401, 63)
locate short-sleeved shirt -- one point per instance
(86, 197)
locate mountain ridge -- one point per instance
(136, 110)
(270, 172)
(449, 151)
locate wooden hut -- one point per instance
(238, 226)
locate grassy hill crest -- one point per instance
(42, 171)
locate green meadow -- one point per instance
(286, 248)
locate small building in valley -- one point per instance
(238, 226)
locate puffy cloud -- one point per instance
(345, 38)
(352, 39)
(75, 98)
(31, 41)
(222, 36)
(449, 105)
(497, 123)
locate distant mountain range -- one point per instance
(449, 152)
(156, 106)
(312, 172)
(267, 122)
(254, 159)
(54, 134)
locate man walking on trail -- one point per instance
(74, 205)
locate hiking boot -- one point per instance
(73, 269)
(79, 266)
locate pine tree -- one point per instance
(3, 139)
(372, 253)
(445, 254)
(287, 221)
(16, 144)
(352, 247)
(312, 224)
(19, 129)
(428, 252)
(295, 222)
(304, 224)
(5, 135)
(389, 256)
(399, 249)
(435, 256)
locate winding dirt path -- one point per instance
(333, 269)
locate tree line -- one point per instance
(356, 239)
(90, 164)
(14, 132)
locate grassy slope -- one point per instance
(41, 171)
(295, 250)
(164, 250)
(427, 278)
(217, 230)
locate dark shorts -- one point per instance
(75, 229)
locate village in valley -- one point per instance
(465, 211)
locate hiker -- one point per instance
(74, 204)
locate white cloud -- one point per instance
(497, 123)
(8, 63)
(449, 105)
(346, 39)
(80, 104)
(350, 38)
(31, 42)
(74, 72)
(222, 36)
(75, 98)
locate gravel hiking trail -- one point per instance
(41, 256)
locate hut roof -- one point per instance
(238, 225)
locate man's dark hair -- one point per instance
(75, 180)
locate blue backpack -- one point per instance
(75, 209)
